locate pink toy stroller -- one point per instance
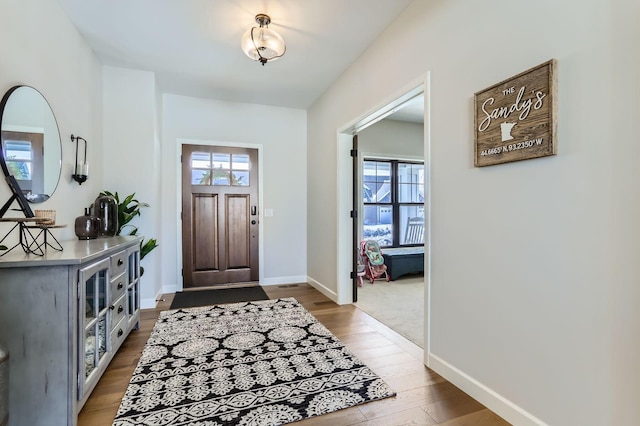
(373, 260)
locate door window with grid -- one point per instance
(219, 169)
(393, 198)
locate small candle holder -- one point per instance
(81, 170)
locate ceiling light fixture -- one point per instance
(262, 44)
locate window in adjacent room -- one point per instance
(393, 197)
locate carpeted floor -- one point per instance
(254, 363)
(397, 304)
(193, 298)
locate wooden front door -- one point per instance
(219, 215)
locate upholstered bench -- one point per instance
(403, 260)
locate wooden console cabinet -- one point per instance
(62, 318)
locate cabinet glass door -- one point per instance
(94, 332)
(133, 286)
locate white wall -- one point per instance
(393, 139)
(131, 155)
(623, 106)
(533, 277)
(41, 48)
(282, 133)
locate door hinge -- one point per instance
(353, 152)
(78, 289)
(181, 216)
(182, 272)
(352, 275)
(353, 214)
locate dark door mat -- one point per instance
(190, 299)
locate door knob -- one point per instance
(253, 222)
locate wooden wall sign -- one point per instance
(516, 118)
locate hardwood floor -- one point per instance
(423, 397)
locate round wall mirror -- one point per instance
(31, 147)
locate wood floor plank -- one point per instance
(346, 417)
(479, 418)
(412, 416)
(404, 369)
(417, 397)
(379, 361)
(368, 353)
(416, 379)
(450, 408)
(420, 391)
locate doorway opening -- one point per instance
(410, 102)
(219, 215)
(227, 194)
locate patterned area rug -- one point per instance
(252, 363)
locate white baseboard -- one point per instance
(295, 279)
(150, 303)
(322, 289)
(147, 304)
(170, 289)
(486, 396)
(153, 303)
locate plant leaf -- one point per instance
(128, 209)
(146, 248)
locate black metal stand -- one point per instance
(45, 231)
(7, 235)
(28, 240)
(18, 196)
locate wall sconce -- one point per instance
(262, 44)
(81, 170)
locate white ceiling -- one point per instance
(411, 111)
(193, 46)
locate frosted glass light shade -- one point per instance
(262, 44)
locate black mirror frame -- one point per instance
(3, 104)
(18, 196)
(16, 191)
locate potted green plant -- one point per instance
(128, 209)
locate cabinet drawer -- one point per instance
(118, 334)
(119, 310)
(118, 285)
(118, 263)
